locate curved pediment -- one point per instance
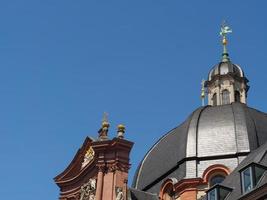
(80, 165)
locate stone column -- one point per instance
(99, 186)
(113, 155)
(108, 186)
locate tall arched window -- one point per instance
(214, 99)
(225, 97)
(237, 96)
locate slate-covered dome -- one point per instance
(224, 68)
(210, 135)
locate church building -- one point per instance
(217, 153)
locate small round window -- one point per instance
(216, 180)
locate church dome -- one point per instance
(225, 68)
(212, 134)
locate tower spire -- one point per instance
(103, 132)
(223, 33)
(226, 81)
(105, 119)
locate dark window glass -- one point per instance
(247, 180)
(225, 97)
(214, 100)
(223, 193)
(216, 180)
(237, 96)
(218, 193)
(251, 176)
(258, 174)
(212, 195)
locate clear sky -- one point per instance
(64, 62)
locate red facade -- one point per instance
(98, 171)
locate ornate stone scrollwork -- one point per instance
(117, 167)
(119, 194)
(88, 157)
(101, 167)
(112, 167)
(88, 190)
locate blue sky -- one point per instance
(64, 62)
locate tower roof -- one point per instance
(224, 68)
(226, 82)
(209, 133)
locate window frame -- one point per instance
(226, 97)
(214, 99)
(216, 192)
(218, 188)
(252, 166)
(250, 179)
(237, 96)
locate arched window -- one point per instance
(216, 179)
(225, 97)
(167, 191)
(215, 174)
(214, 99)
(237, 96)
(168, 194)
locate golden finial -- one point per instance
(224, 41)
(224, 31)
(121, 131)
(105, 123)
(103, 132)
(121, 127)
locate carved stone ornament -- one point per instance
(119, 194)
(90, 153)
(118, 167)
(88, 190)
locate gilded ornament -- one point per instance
(89, 156)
